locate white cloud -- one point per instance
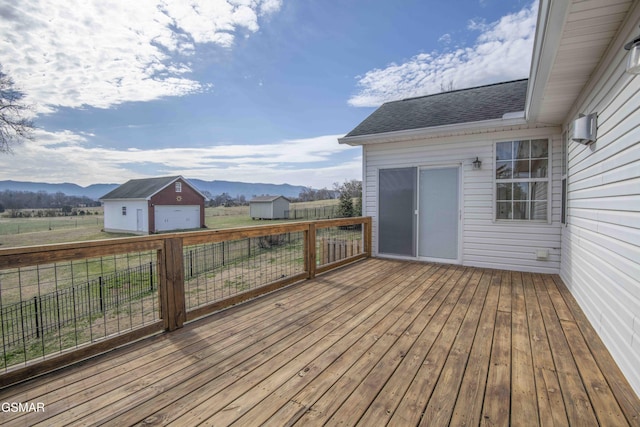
(68, 157)
(76, 53)
(445, 39)
(501, 52)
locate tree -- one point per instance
(357, 206)
(447, 87)
(353, 188)
(349, 191)
(15, 125)
(345, 208)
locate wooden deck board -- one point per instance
(378, 342)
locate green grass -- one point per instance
(15, 232)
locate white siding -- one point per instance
(259, 210)
(269, 210)
(601, 243)
(485, 242)
(279, 207)
(114, 221)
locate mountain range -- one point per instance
(95, 191)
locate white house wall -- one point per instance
(601, 242)
(485, 242)
(114, 221)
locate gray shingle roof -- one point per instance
(140, 188)
(267, 198)
(447, 108)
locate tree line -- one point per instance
(347, 191)
(16, 200)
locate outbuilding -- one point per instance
(152, 205)
(269, 207)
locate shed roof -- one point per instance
(267, 199)
(455, 107)
(143, 188)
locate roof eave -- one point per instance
(115, 199)
(551, 20)
(186, 181)
(436, 131)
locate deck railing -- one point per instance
(62, 303)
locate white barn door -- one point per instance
(177, 217)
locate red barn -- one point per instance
(152, 205)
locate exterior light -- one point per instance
(633, 57)
(477, 163)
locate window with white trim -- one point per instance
(124, 210)
(178, 187)
(522, 180)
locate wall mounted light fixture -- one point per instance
(477, 164)
(585, 129)
(633, 57)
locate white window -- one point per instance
(178, 187)
(522, 180)
(124, 210)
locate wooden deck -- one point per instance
(373, 343)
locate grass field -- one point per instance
(16, 232)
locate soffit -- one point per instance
(589, 28)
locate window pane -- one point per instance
(505, 192)
(503, 210)
(396, 227)
(539, 148)
(521, 169)
(504, 170)
(527, 162)
(565, 146)
(538, 190)
(538, 210)
(563, 218)
(520, 210)
(521, 191)
(503, 151)
(539, 168)
(521, 149)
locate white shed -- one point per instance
(269, 207)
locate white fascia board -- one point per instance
(552, 16)
(193, 187)
(125, 199)
(434, 132)
(186, 181)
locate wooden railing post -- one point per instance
(367, 236)
(172, 298)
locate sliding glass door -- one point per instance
(418, 212)
(438, 213)
(396, 210)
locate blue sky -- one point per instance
(239, 90)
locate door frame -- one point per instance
(139, 220)
(434, 165)
(458, 166)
